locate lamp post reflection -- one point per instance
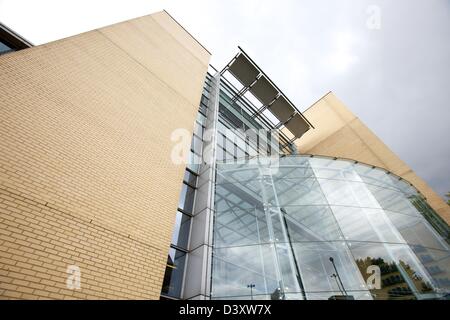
(337, 282)
(251, 286)
(337, 274)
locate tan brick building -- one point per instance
(87, 181)
(86, 177)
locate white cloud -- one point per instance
(342, 56)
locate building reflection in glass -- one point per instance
(277, 226)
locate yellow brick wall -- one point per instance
(339, 133)
(85, 172)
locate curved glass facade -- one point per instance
(301, 227)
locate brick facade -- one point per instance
(85, 171)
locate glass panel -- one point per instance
(293, 172)
(437, 264)
(240, 227)
(293, 192)
(220, 154)
(364, 224)
(311, 223)
(181, 230)
(404, 186)
(190, 178)
(375, 176)
(193, 167)
(4, 48)
(220, 140)
(236, 267)
(173, 277)
(221, 128)
(198, 130)
(202, 108)
(232, 118)
(239, 176)
(295, 161)
(240, 153)
(333, 169)
(288, 268)
(194, 162)
(431, 216)
(317, 271)
(229, 146)
(416, 231)
(196, 144)
(186, 202)
(201, 118)
(346, 193)
(229, 156)
(240, 142)
(393, 200)
(277, 224)
(204, 100)
(328, 163)
(238, 196)
(402, 275)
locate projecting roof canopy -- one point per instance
(244, 70)
(297, 125)
(255, 81)
(264, 91)
(282, 109)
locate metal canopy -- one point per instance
(264, 91)
(297, 125)
(272, 98)
(244, 70)
(282, 109)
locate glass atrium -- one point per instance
(277, 224)
(263, 222)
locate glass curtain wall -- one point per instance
(321, 228)
(4, 48)
(173, 278)
(301, 227)
(240, 132)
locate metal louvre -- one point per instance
(282, 109)
(297, 125)
(243, 70)
(264, 91)
(255, 80)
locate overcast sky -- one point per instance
(388, 61)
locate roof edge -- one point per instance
(315, 102)
(12, 39)
(190, 34)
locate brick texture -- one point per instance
(85, 172)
